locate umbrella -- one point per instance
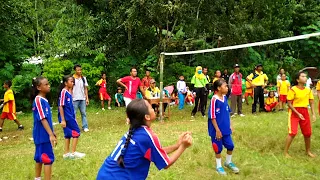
(313, 72)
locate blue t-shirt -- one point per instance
(41, 110)
(219, 110)
(65, 100)
(143, 148)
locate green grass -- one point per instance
(259, 143)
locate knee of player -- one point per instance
(292, 134)
(230, 147)
(46, 160)
(307, 135)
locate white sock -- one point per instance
(228, 158)
(37, 178)
(218, 161)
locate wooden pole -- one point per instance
(161, 86)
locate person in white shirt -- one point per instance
(181, 86)
(309, 82)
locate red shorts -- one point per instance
(104, 96)
(270, 107)
(10, 116)
(294, 121)
(248, 94)
(283, 98)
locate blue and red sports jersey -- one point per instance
(143, 148)
(41, 110)
(219, 110)
(65, 100)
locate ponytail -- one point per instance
(123, 151)
(136, 111)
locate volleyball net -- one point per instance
(241, 46)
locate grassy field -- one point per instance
(259, 142)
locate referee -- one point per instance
(258, 81)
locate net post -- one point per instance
(161, 86)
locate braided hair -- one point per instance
(136, 112)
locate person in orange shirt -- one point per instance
(271, 102)
(283, 86)
(9, 106)
(103, 95)
(249, 92)
(299, 98)
(318, 92)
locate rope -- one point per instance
(287, 39)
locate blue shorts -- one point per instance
(71, 130)
(44, 153)
(226, 141)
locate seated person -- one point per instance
(271, 102)
(119, 98)
(153, 92)
(174, 98)
(189, 97)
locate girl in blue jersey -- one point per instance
(219, 126)
(139, 146)
(67, 118)
(43, 135)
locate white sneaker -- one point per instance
(86, 130)
(242, 115)
(66, 156)
(78, 155)
(109, 108)
(234, 115)
(103, 109)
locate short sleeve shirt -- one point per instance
(300, 97)
(41, 110)
(10, 106)
(103, 85)
(283, 87)
(257, 78)
(270, 100)
(220, 111)
(65, 100)
(78, 88)
(133, 85)
(144, 147)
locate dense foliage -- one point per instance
(113, 35)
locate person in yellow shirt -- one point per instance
(258, 81)
(9, 106)
(271, 102)
(249, 92)
(217, 76)
(283, 86)
(153, 92)
(299, 98)
(318, 93)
